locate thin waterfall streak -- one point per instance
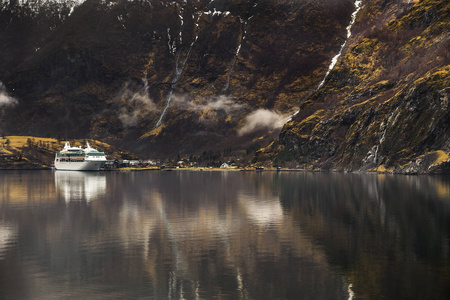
(171, 43)
(181, 24)
(197, 28)
(175, 79)
(334, 60)
(145, 80)
(236, 55)
(173, 83)
(169, 96)
(358, 6)
(227, 83)
(168, 40)
(351, 294)
(177, 74)
(289, 119)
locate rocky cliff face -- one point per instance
(167, 77)
(384, 107)
(184, 77)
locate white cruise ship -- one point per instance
(79, 159)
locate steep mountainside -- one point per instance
(385, 105)
(166, 77)
(368, 80)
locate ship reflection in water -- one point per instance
(80, 186)
(236, 235)
(8, 235)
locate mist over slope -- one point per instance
(182, 77)
(111, 69)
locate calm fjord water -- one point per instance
(223, 235)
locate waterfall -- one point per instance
(358, 6)
(181, 24)
(171, 44)
(179, 68)
(236, 54)
(351, 294)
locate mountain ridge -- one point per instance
(180, 78)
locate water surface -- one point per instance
(223, 235)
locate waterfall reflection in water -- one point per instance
(231, 235)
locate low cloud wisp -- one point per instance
(215, 103)
(262, 119)
(5, 98)
(210, 110)
(134, 105)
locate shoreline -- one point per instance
(207, 169)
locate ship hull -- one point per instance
(91, 165)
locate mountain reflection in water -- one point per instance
(227, 235)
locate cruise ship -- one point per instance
(79, 159)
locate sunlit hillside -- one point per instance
(18, 152)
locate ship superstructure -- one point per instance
(79, 159)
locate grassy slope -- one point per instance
(28, 152)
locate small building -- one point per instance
(148, 162)
(124, 163)
(111, 164)
(134, 163)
